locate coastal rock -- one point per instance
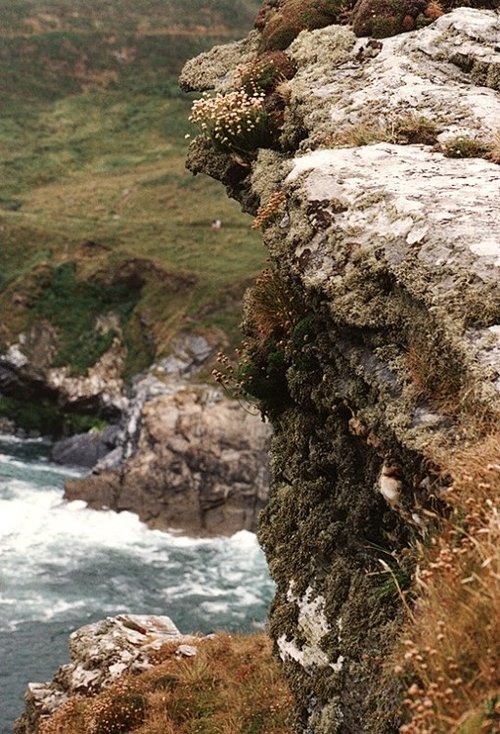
(188, 459)
(85, 449)
(26, 371)
(388, 245)
(100, 653)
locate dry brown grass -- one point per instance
(494, 152)
(450, 655)
(399, 128)
(232, 686)
(266, 213)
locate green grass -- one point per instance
(92, 149)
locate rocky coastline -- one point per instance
(182, 456)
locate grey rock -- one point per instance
(188, 458)
(85, 449)
(396, 248)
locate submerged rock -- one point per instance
(100, 653)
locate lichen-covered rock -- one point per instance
(190, 459)
(395, 250)
(100, 653)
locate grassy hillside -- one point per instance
(94, 196)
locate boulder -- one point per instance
(85, 449)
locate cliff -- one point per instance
(371, 165)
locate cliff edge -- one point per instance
(366, 143)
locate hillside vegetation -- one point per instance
(97, 213)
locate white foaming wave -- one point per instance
(11, 438)
(41, 466)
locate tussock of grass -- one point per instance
(451, 657)
(232, 686)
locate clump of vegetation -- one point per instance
(403, 129)
(236, 122)
(436, 373)
(383, 18)
(232, 685)
(267, 71)
(281, 22)
(450, 657)
(464, 147)
(267, 212)
(278, 326)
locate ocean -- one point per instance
(63, 565)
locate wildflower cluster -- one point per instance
(235, 122)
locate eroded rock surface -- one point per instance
(100, 653)
(395, 250)
(188, 459)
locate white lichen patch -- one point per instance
(421, 196)
(488, 247)
(312, 625)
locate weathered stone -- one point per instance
(85, 449)
(100, 653)
(191, 460)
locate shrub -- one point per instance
(267, 72)
(280, 25)
(383, 18)
(464, 147)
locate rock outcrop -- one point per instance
(384, 236)
(188, 458)
(26, 372)
(100, 653)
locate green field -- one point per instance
(94, 197)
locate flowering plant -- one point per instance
(235, 122)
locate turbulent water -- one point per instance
(63, 565)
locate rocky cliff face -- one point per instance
(379, 205)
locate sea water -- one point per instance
(63, 565)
